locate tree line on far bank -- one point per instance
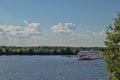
(44, 50)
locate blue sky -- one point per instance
(55, 22)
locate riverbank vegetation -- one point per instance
(44, 50)
(112, 52)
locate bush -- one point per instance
(112, 52)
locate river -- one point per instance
(50, 68)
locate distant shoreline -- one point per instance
(44, 50)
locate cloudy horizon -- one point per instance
(74, 23)
(31, 33)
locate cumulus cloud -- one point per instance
(33, 25)
(63, 28)
(19, 31)
(67, 28)
(101, 33)
(59, 28)
(9, 29)
(70, 25)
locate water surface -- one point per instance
(50, 68)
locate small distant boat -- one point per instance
(89, 55)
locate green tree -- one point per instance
(112, 51)
(1, 51)
(75, 51)
(30, 51)
(68, 51)
(7, 51)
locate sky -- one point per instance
(75, 23)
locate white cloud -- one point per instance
(75, 35)
(101, 33)
(70, 25)
(63, 28)
(9, 29)
(33, 25)
(67, 28)
(19, 35)
(28, 30)
(58, 28)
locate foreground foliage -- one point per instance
(112, 52)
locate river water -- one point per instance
(50, 68)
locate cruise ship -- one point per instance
(89, 55)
